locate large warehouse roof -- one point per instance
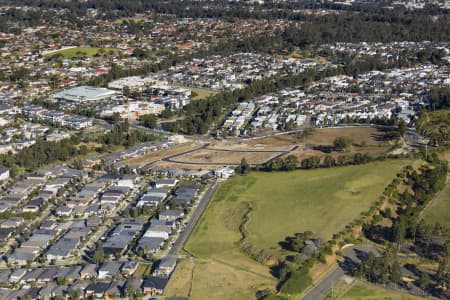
(85, 93)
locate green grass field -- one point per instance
(365, 291)
(322, 200)
(439, 211)
(201, 93)
(81, 51)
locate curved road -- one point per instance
(352, 257)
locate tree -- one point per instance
(342, 143)
(290, 163)
(140, 252)
(244, 167)
(74, 294)
(444, 267)
(149, 121)
(311, 162)
(402, 126)
(276, 165)
(424, 281)
(133, 293)
(83, 150)
(396, 273)
(99, 255)
(329, 161)
(297, 282)
(399, 231)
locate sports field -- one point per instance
(278, 205)
(81, 52)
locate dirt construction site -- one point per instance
(194, 154)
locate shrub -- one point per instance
(297, 282)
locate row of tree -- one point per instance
(422, 185)
(44, 152)
(76, 11)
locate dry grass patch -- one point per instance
(359, 135)
(155, 156)
(259, 144)
(181, 280)
(90, 145)
(367, 291)
(224, 157)
(282, 140)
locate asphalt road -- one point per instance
(196, 214)
(321, 289)
(352, 257)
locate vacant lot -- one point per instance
(365, 291)
(157, 155)
(359, 135)
(226, 275)
(206, 156)
(367, 140)
(322, 200)
(180, 282)
(276, 143)
(214, 279)
(82, 51)
(369, 136)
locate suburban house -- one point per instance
(12, 222)
(4, 174)
(120, 238)
(158, 231)
(17, 275)
(185, 195)
(153, 197)
(64, 248)
(154, 285)
(164, 183)
(225, 172)
(166, 266)
(171, 215)
(150, 244)
(109, 269)
(89, 271)
(96, 289)
(129, 268)
(64, 211)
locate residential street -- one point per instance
(322, 288)
(196, 214)
(352, 256)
